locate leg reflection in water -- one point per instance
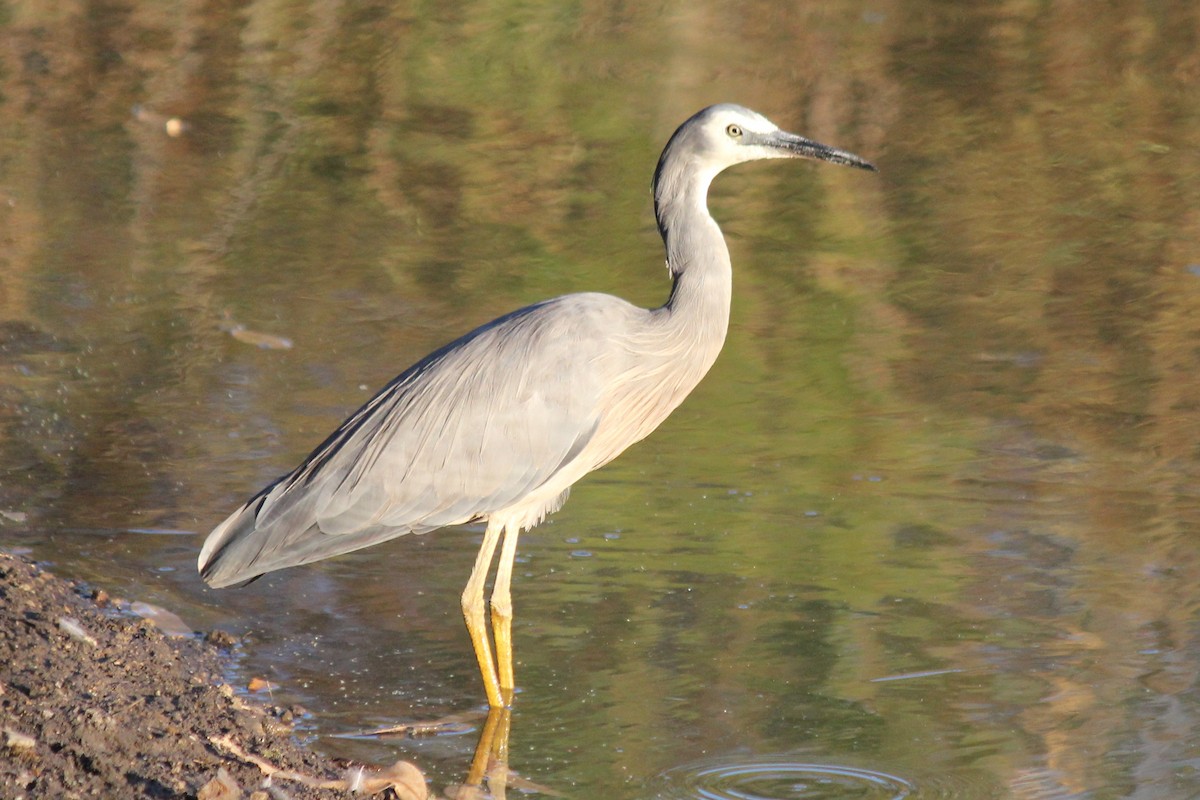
(489, 776)
(490, 763)
(406, 781)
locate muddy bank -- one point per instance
(94, 703)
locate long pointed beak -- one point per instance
(799, 147)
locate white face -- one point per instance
(729, 134)
(723, 135)
(731, 131)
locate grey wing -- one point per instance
(470, 430)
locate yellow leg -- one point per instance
(502, 613)
(473, 612)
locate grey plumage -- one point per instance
(497, 425)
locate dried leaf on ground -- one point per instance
(222, 787)
(403, 778)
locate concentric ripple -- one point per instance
(779, 778)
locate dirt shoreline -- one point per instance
(95, 703)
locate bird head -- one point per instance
(720, 136)
(726, 134)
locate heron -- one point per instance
(496, 426)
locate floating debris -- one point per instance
(265, 341)
(172, 126)
(160, 531)
(453, 724)
(908, 676)
(166, 621)
(260, 685)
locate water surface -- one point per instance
(929, 526)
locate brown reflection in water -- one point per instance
(1051, 234)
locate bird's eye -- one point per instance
(734, 131)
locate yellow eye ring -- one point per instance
(734, 131)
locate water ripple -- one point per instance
(778, 778)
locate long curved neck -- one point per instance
(697, 256)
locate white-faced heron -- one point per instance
(496, 426)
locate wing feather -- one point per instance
(470, 430)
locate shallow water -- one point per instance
(928, 527)
(779, 777)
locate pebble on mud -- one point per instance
(222, 640)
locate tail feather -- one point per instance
(243, 547)
(222, 561)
